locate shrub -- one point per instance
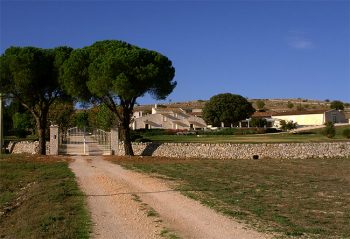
(346, 133)
(287, 125)
(258, 122)
(329, 130)
(260, 104)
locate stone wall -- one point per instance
(220, 151)
(29, 147)
(242, 151)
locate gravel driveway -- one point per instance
(126, 204)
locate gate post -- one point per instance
(114, 141)
(54, 140)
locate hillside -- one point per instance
(274, 105)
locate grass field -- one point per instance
(310, 136)
(39, 198)
(292, 198)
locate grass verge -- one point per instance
(295, 198)
(39, 198)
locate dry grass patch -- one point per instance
(295, 198)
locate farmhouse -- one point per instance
(167, 118)
(310, 118)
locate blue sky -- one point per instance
(258, 49)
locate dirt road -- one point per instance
(121, 203)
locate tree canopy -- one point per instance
(117, 73)
(31, 76)
(260, 104)
(337, 104)
(227, 108)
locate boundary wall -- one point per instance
(220, 151)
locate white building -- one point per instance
(167, 118)
(310, 118)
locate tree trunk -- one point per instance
(41, 127)
(126, 132)
(127, 141)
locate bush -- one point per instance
(258, 122)
(287, 125)
(346, 133)
(329, 131)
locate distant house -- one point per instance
(167, 118)
(310, 118)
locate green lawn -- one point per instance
(39, 198)
(302, 198)
(310, 136)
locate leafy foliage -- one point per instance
(81, 119)
(61, 113)
(287, 125)
(117, 73)
(337, 105)
(101, 117)
(227, 108)
(329, 130)
(258, 122)
(31, 75)
(260, 104)
(290, 105)
(22, 122)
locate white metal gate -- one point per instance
(85, 141)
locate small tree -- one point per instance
(260, 104)
(329, 130)
(81, 119)
(290, 105)
(101, 117)
(227, 108)
(287, 125)
(337, 105)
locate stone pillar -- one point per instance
(54, 138)
(114, 141)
